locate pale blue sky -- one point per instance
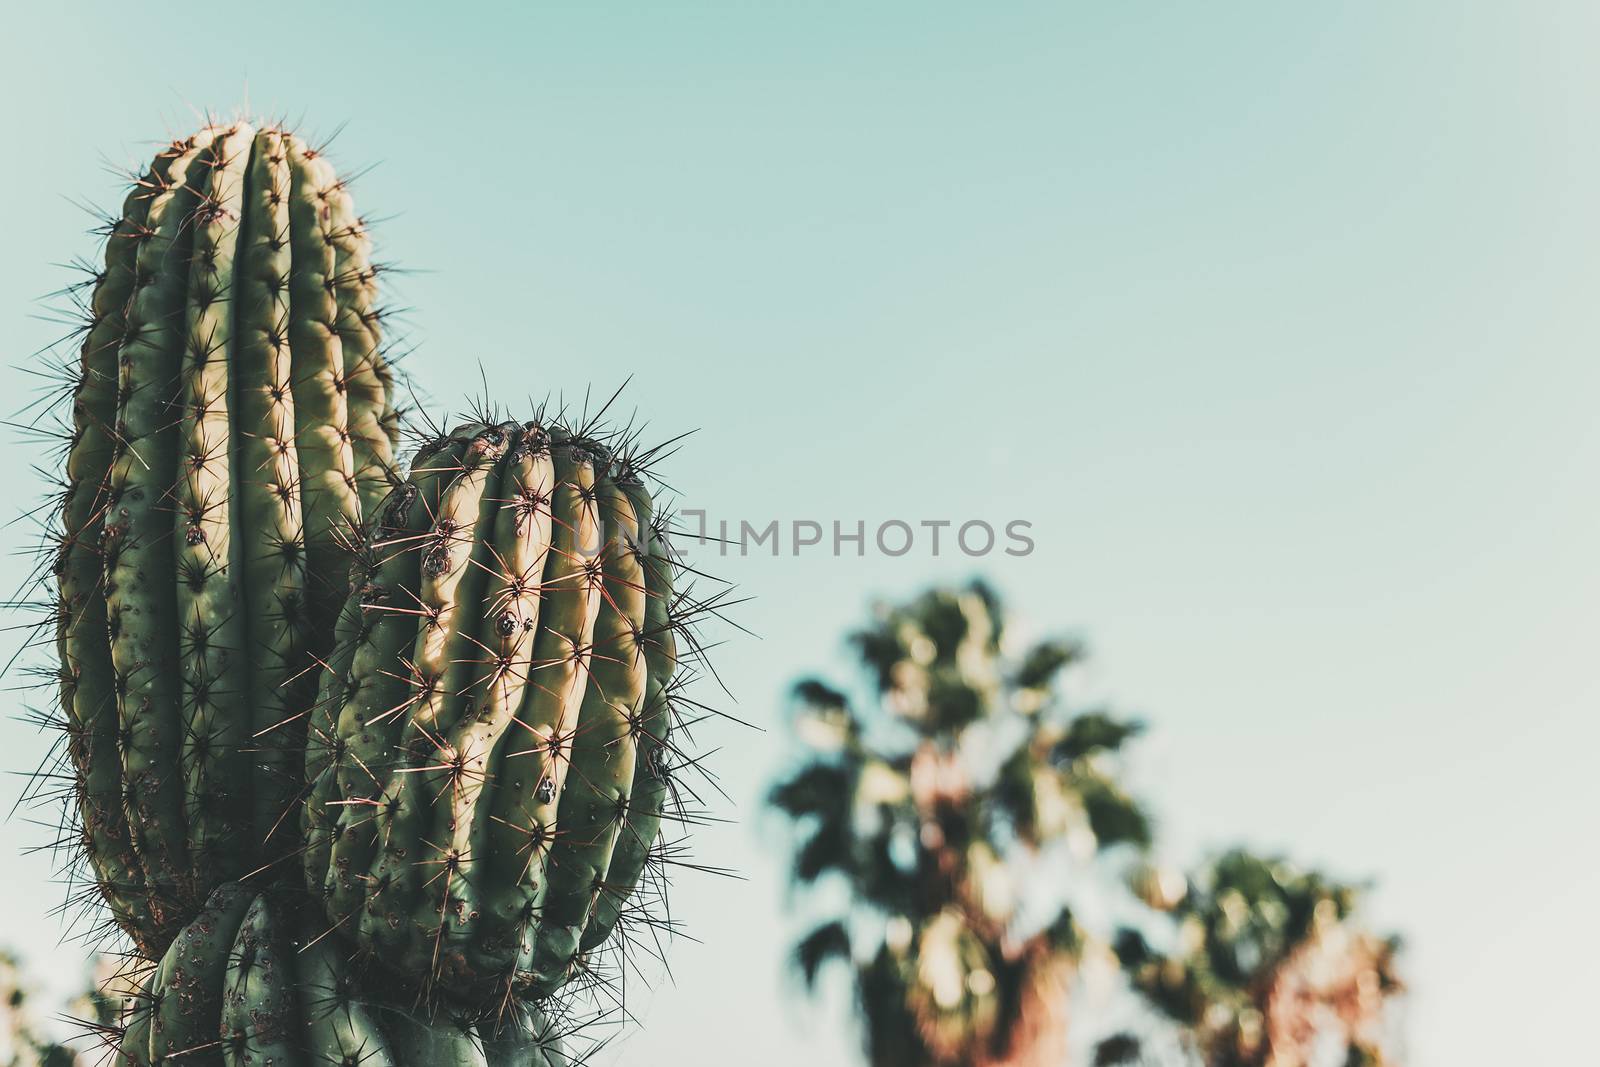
(1278, 321)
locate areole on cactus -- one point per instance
(231, 416)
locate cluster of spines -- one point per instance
(229, 412)
(490, 755)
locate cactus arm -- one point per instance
(188, 1016)
(270, 532)
(210, 619)
(88, 693)
(530, 762)
(196, 596)
(594, 799)
(497, 761)
(518, 538)
(259, 1013)
(140, 568)
(647, 797)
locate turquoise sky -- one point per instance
(1277, 320)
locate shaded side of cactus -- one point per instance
(243, 984)
(927, 805)
(230, 416)
(490, 755)
(1268, 964)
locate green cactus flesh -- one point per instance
(231, 417)
(488, 756)
(242, 986)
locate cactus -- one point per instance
(243, 984)
(230, 416)
(488, 757)
(447, 703)
(926, 812)
(1269, 967)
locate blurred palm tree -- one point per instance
(93, 1018)
(937, 806)
(1268, 968)
(22, 1042)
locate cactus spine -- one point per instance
(231, 414)
(488, 759)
